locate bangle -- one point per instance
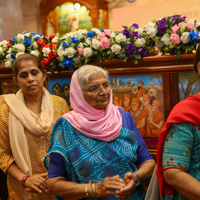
(24, 180)
(138, 179)
(86, 192)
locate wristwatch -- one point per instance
(136, 178)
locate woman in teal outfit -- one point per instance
(178, 154)
(96, 151)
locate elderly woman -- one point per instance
(96, 150)
(26, 121)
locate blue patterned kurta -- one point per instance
(87, 159)
(182, 150)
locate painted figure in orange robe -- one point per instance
(139, 91)
(155, 120)
(146, 103)
(127, 102)
(139, 116)
(117, 101)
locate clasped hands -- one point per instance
(116, 186)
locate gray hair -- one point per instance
(86, 71)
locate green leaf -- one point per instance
(137, 56)
(99, 57)
(75, 59)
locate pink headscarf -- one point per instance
(99, 124)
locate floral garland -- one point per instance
(173, 35)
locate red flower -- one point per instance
(51, 37)
(44, 45)
(45, 62)
(40, 42)
(189, 148)
(171, 159)
(52, 44)
(167, 161)
(167, 140)
(52, 55)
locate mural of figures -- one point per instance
(118, 102)
(65, 93)
(8, 87)
(127, 102)
(139, 116)
(138, 92)
(57, 89)
(152, 92)
(73, 21)
(60, 87)
(155, 120)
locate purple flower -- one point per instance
(135, 34)
(126, 33)
(130, 50)
(135, 25)
(142, 51)
(182, 19)
(162, 28)
(162, 21)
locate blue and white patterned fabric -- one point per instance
(87, 159)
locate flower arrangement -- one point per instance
(173, 35)
(176, 35)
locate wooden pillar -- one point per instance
(54, 20)
(44, 24)
(105, 19)
(94, 14)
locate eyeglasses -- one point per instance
(97, 89)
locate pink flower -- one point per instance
(108, 32)
(80, 50)
(175, 39)
(190, 26)
(102, 35)
(105, 42)
(181, 25)
(175, 28)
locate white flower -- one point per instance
(119, 38)
(8, 63)
(185, 38)
(159, 45)
(10, 50)
(20, 36)
(140, 30)
(88, 41)
(197, 24)
(80, 45)
(4, 43)
(60, 53)
(165, 39)
(96, 30)
(35, 45)
(55, 39)
(96, 44)
(190, 20)
(87, 52)
(1, 51)
(151, 31)
(27, 34)
(19, 54)
(69, 52)
(116, 48)
(112, 35)
(149, 25)
(46, 51)
(140, 42)
(8, 56)
(35, 53)
(20, 47)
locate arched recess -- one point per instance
(46, 6)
